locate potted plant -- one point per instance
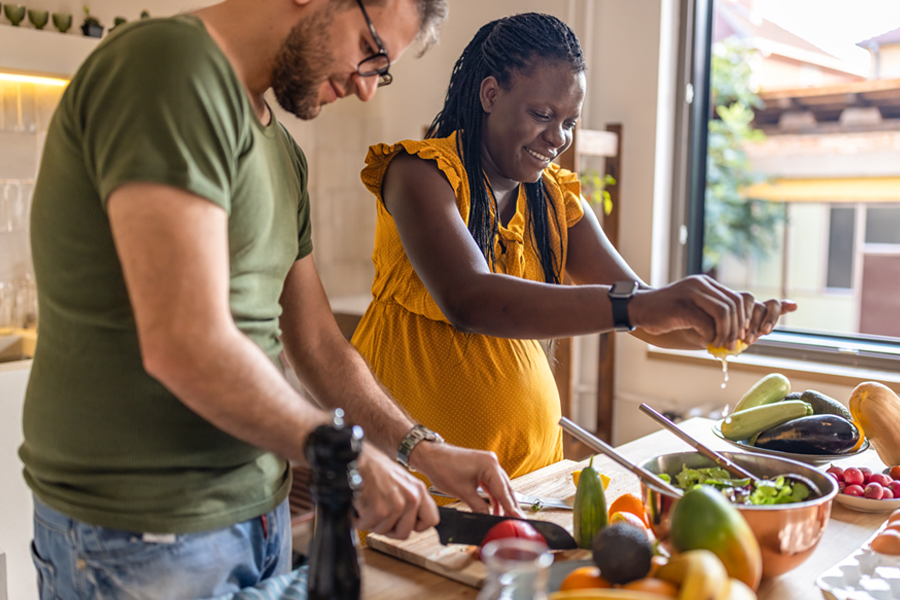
(91, 27)
(116, 22)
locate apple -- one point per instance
(874, 491)
(881, 479)
(867, 473)
(854, 476)
(887, 494)
(854, 490)
(842, 485)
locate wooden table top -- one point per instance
(386, 578)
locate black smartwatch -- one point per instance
(619, 295)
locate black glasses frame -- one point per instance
(384, 78)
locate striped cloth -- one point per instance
(286, 587)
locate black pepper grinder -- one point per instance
(332, 451)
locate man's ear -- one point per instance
(488, 93)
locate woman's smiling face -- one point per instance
(529, 122)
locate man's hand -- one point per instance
(391, 502)
(459, 471)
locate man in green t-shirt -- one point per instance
(172, 250)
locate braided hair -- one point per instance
(500, 48)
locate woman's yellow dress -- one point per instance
(477, 391)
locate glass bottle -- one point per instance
(518, 569)
(332, 450)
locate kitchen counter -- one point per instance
(386, 578)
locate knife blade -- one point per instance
(521, 499)
(459, 527)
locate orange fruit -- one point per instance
(629, 518)
(895, 516)
(583, 578)
(630, 503)
(652, 585)
(576, 475)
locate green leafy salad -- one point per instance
(741, 491)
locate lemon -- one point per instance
(721, 352)
(603, 478)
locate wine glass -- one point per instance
(62, 21)
(15, 13)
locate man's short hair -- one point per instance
(432, 13)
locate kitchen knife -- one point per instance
(459, 527)
(526, 500)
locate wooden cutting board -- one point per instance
(458, 562)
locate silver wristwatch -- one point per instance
(417, 434)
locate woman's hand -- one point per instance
(713, 313)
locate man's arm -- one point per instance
(337, 376)
(173, 247)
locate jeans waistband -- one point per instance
(50, 517)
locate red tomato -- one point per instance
(512, 528)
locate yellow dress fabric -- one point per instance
(477, 391)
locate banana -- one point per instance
(738, 590)
(699, 574)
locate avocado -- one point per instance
(825, 405)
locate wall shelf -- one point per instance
(43, 52)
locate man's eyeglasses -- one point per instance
(378, 63)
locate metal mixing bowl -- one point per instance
(787, 533)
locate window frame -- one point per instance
(689, 192)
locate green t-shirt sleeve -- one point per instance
(167, 114)
(304, 221)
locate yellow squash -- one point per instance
(876, 408)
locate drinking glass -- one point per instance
(15, 13)
(38, 18)
(62, 21)
(518, 568)
(7, 306)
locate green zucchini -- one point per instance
(769, 389)
(825, 405)
(744, 424)
(589, 512)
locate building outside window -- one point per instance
(802, 185)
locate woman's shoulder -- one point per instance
(414, 157)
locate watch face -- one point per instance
(624, 288)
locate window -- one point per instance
(794, 171)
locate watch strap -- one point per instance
(619, 302)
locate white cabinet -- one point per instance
(15, 498)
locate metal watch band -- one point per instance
(417, 434)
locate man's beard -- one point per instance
(302, 64)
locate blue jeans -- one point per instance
(77, 561)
